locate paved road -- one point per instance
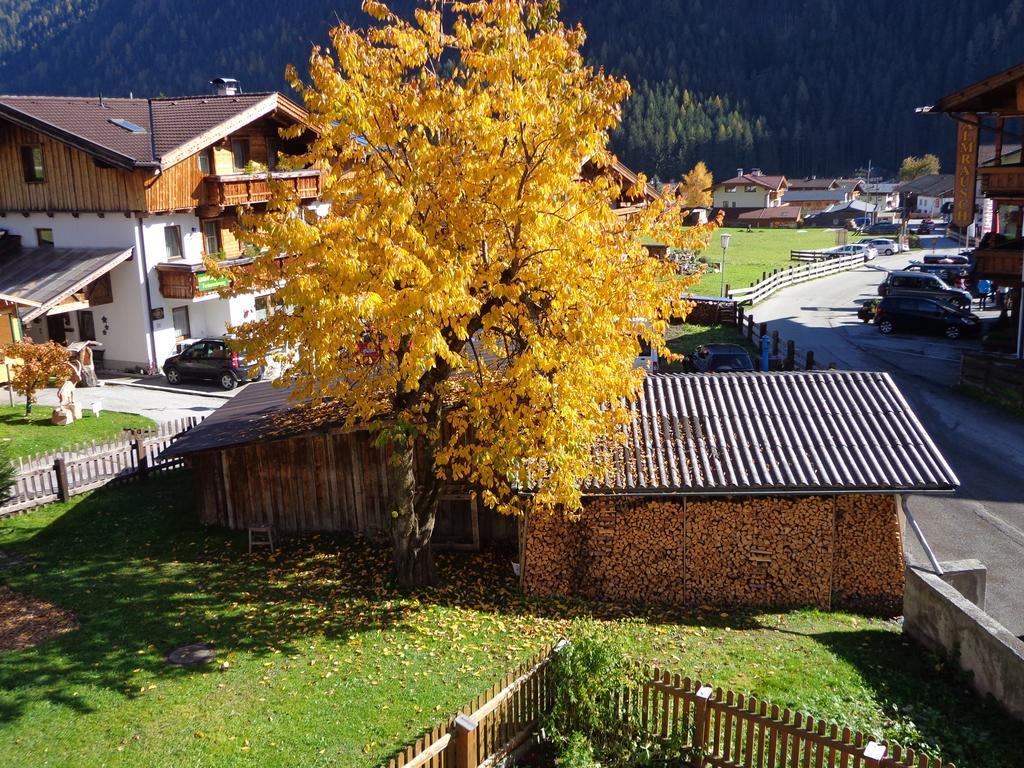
(985, 446)
(155, 400)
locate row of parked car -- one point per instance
(919, 300)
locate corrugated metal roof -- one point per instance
(702, 434)
(45, 276)
(800, 432)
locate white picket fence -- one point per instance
(784, 278)
(58, 476)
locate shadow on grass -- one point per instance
(927, 702)
(144, 578)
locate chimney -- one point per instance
(225, 86)
(739, 171)
(756, 172)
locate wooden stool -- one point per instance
(261, 535)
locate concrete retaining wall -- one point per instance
(939, 616)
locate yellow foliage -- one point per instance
(500, 293)
(697, 186)
(38, 364)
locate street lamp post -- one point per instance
(726, 237)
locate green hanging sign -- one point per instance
(208, 282)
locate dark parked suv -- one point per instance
(916, 315)
(922, 285)
(714, 358)
(211, 359)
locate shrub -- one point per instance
(587, 673)
(588, 722)
(577, 753)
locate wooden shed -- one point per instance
(754, 489)
(259, 459)
(759, 489)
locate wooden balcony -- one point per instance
(1002, 182)
(192, 281)
(1002, 265)
(252, 188)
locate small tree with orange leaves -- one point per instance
(40, 363)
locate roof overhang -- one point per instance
(273, 103)
(1002, 93)
(42, 278)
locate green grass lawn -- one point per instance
(759, 250)
(330, 665)
(26, 435)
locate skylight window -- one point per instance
(128, 125)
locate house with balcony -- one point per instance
(109, 206)
(988, 113)
(746, 192)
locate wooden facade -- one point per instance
(329, 480)
(75, 182)
(177, 188)
(72, 180)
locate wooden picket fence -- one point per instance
(57, 476)
(492, 726)
(726, 729)
(783, 278)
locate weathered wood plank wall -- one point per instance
(324, 481)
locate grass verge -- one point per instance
(752, 252)
(329, 664)
(26, 435)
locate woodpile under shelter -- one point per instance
(764, 489)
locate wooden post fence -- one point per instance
(58, 476)
(724, 728)
(60, 467)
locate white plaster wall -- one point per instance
(741, 198)
(124, 325)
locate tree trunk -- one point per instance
(414, 510)
(28, 405)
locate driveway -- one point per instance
(150, 396)
(984, 519)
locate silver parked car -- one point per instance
(859, 249)
(883, 245)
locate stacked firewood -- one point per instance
(869, 567)
(762, 551)
(754, 550)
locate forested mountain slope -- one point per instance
(798, 86)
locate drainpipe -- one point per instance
(151, 352)
(902, 498)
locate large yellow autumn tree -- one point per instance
(470, 291)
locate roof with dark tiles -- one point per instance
(168, 124)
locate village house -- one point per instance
(987, 106)
(776, 217)
(885, 196)
(108, 207)
(928, 194)
(843, 215)
(814, 194)
(746, 192)
(746, 488)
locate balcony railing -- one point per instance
(250, 188)
(1001, 181)
(192, 281)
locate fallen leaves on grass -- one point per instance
(26, 621)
